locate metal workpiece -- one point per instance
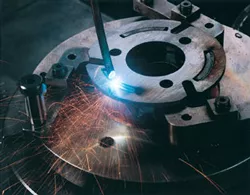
(159, 9)
(185, 11)
(58, 75)
(155, 58)
(222, 104)
(33, 89)
(177, 94)
(147, 2)
(162, 9)
(186, 7)
(59, 70)
(202, 131)
(203, 122)
(222, 108)
(117, 140)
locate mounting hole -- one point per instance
(155, 58)
(209, 25)
(107, 142)
(185, 40)
(166, 83)
(186, 3)
(238, 35)
(186, 117)
(115, 52)
(223, 99)
(71, 56)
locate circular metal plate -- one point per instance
(133, 153)
(192, 41)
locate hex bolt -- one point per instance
(222, 104)
(59, 70)
(186, 8)
(33, 89)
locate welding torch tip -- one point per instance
(112, 75)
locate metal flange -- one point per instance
(147, 54)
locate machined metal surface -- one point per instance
(152, 32)
(162, 9)
(83, 136)
(119, 161)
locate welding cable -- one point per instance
(102, 38)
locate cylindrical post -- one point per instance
(186, 7)
(102, 38)
(33, 88)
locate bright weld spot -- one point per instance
(115, 84)
(111, 75)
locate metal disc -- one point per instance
(86, 138)
(158, 35)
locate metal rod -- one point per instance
(32, 87)
(102, 37)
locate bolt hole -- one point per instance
(186, 117)
(222, 99)
(209, 25)
(186, 3)
(115, 52)
(71, 56)
(166, 83)
(238, 35)
(185, 40)
(107, 142)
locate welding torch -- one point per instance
(109, 68)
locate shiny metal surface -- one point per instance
(163, 9)
(159, 31)
(51, 184)
(134, 152)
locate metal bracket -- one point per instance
(177, 12)
(55, 81)
(162, 9)
(198, 126)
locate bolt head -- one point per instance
(30, 84)
(222, 104)
(59, 70)
(186, 7)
